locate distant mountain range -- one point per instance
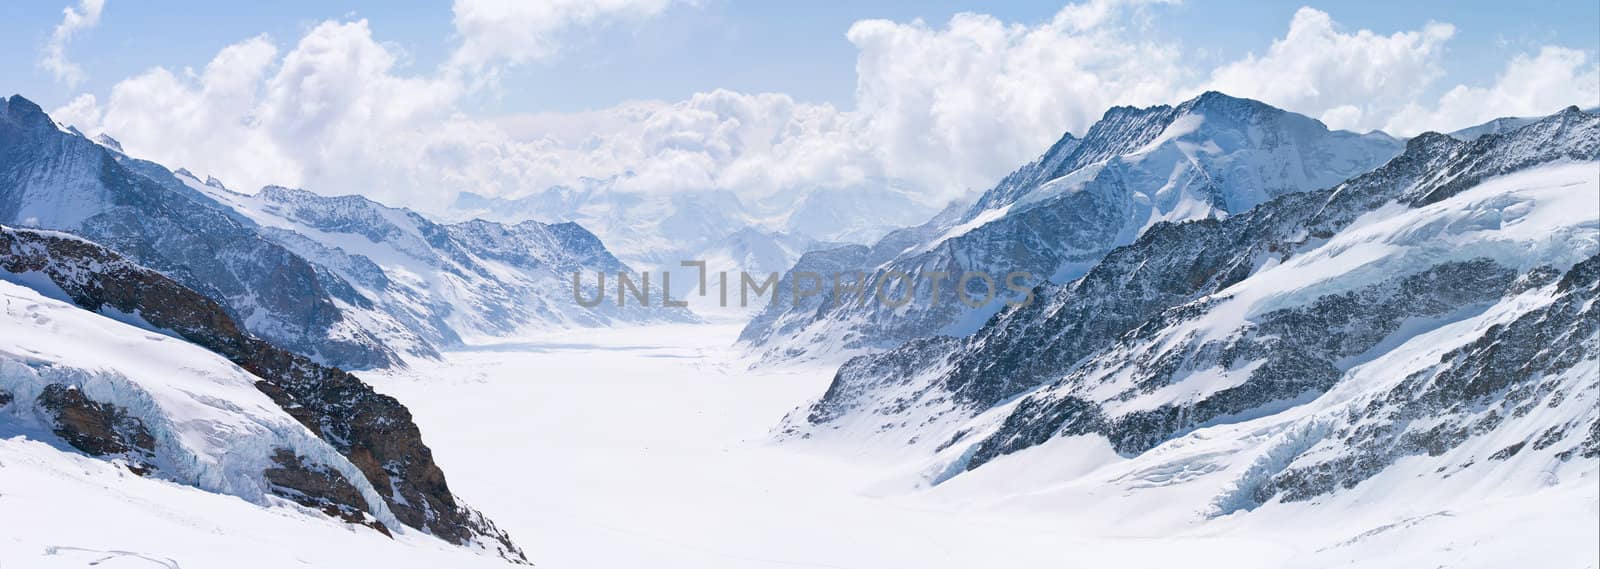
(729, 231)
(344, 280)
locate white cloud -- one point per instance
(82, 111)
(1531, 85)
(202, 120)
(959, 106)
(336, 115)
(517, 32)
(328, 114)
(73, 20)
(948, 109)
(945, 108)
(1349, 80)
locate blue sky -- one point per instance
(797, 48)
(412, 103)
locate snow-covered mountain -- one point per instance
(427, 284)
(1051, 220)
(345, 280)
(102, 356)
(1433, 318)
(54, 178)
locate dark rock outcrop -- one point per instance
(374, 431)
(320, 488)
(99, 429)
(1298, 350)
(1501, 375)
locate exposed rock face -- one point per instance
(53, 179)
(320, 488)
(99, 429)
(1173, 333)
(1291, 355)
(375, 432)
(108, 431)
(1502, 375)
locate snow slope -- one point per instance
(211, 428)
(650, 447)
(653, 450)
(1430, 324)
(121, 423)
(82, 512)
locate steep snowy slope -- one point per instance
(56, 179)
(1053, 219)
(83, 512)
(440, 282)
(1442, 306)
(95, 412)
(165, 408)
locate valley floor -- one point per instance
(651, 447)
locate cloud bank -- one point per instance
(946, 109)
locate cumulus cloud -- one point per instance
(960, 105)
(946, 109)
(337, 115)
(1530, 85)
(73, 20)
(329, 113)
(82, 111)
(516, 32)
(1349, 80)
(942, 109)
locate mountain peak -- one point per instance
(1218, 103)
(23, 111)
(279, 193)
(105, 140)
(21, 103)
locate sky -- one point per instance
(413, 102)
